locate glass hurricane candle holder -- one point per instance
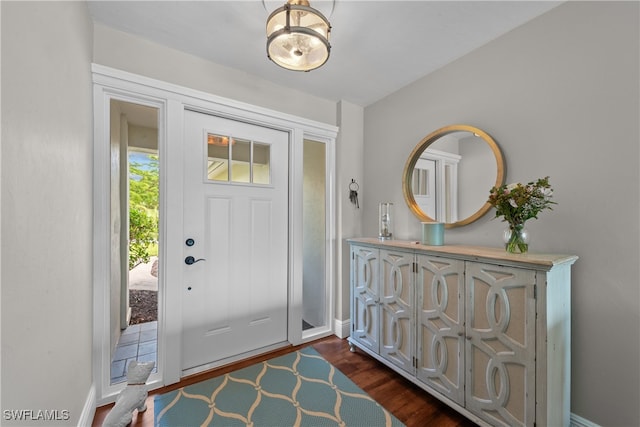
(386, 223)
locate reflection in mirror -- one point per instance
(448, 175)
(435, 185)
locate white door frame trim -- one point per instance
(102, 236)
(172, 100)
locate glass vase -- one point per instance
(516, 239)
(386, 221)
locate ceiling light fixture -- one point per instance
(298, 36)
(221, 141)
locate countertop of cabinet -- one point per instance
(474, 253)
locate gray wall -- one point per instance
(560, 95)
(349, 149)
(131, 53)
(46, 207)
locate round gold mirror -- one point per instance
(448, 175)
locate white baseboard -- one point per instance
(89, 410)
(578, 421)
(342, 328)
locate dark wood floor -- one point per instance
(410, 404)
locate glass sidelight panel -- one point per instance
(135, 215)
(314, 288)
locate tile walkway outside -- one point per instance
(137, 342)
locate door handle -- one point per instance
(191, 260)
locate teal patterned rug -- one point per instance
(297, 389)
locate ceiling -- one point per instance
(377, 47)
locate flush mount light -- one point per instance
(298, 36)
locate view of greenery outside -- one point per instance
(143, 210)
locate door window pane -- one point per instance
(261, 163)
(217, 157)
(241, 160)
(250, 161)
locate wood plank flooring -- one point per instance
(407, 402)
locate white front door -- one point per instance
(236, 230)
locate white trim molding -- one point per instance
(578, 421)
(171, 101)
(89, 409)
(342, 328)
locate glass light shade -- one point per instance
(298, 37)
(386, 221)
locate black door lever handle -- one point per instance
(191, 260)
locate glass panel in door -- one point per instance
(241, 160)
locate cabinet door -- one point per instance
(396, 308)
(440, 325)
(500, 350)
(364, 296)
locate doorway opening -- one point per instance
(135, 204)
(167, 104)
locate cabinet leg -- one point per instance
(352, 348)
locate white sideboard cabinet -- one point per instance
(484, 331)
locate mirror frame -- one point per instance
(423, 145)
